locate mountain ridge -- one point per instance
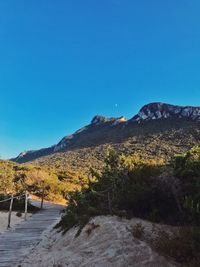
(160, 110)
(107, 130)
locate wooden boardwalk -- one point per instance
(17, 242)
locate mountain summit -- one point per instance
(159, 110)
(153, 119)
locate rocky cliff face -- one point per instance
(155, 111)
(104, 130)
(97, 122)
(98, 119)
(33, 154)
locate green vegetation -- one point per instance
(16, 178)
(127, 185)
(87, 147)
(130, 186)
(182, 245)
(187, 170)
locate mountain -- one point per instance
(158, 130)
(155, 111)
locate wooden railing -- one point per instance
(11, 199)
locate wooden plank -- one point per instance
(16, 243)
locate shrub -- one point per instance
(126, 184)
(138, 230)
(187, 170)
(183, 245)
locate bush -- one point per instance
(129, 186)
(138, 230)
(187, 170)
(183, 245)
(126, 185)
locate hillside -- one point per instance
(131, 188)
(17, 178)
(137, 183)
(158, 131)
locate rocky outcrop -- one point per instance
(98, 119)
(31, 154)
(155, 111)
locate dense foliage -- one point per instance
(187, 170)
(129, 186)
(182, 245)
(16, 178)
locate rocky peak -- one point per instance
(119, 120)
(98, 119)
(122, 119)
(22, 154)
(159, 110)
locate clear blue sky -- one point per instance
(63, 61)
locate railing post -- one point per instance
(42, 201)
(26, 206)
(10, 211)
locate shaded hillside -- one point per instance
(155, 140)
(158, 130)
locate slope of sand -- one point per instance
(14, 220)
(106, 242)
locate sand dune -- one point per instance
(109, 244)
